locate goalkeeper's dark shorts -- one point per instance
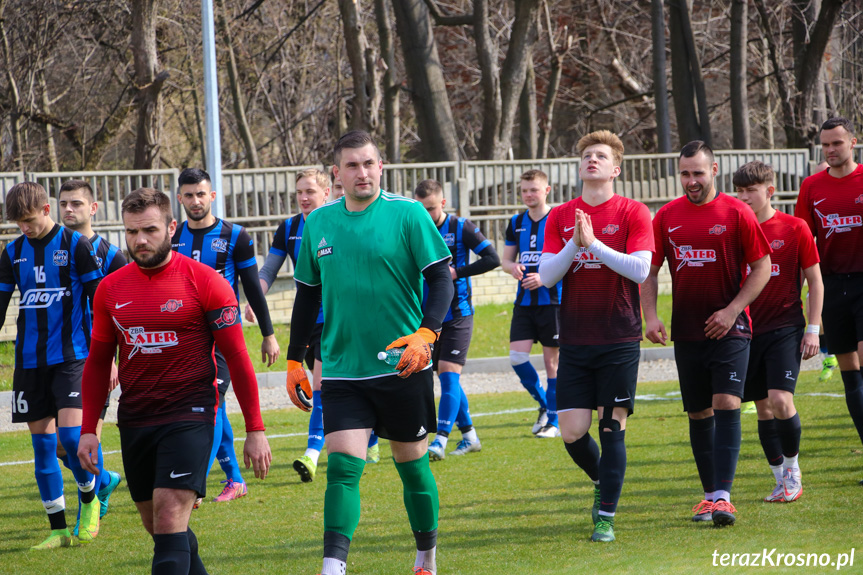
(397, 409)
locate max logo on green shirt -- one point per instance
(327, 251)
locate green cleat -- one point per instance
(828, 366)
(105, 494)
(58, 538)
(306, 468)
(748, 408)
(594, 513)
(604, 530)
(88, 528)
(373, 454)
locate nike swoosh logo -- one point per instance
(672, 229)
(569, 229)
(176, 475)
(818, 202)
(118, 306)
(618, 400)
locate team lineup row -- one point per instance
(586, 269)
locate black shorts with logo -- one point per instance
(41, 392)
(591, 376)
(774, 362)
(454, 341)
(538, 323)
(843, 312)
(706, 368)
(173, 456)
(397, 409)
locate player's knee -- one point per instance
(518, 357)
(608, 423)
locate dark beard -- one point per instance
(153, 260)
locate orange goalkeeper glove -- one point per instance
(418, 352)
(299, 388)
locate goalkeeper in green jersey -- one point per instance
(364, 257)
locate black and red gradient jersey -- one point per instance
(833, 210)
(600, 306)
(779, 304)
(163, 320)
(707, 248)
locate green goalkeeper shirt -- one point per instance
(369, 265)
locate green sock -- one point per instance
(420, 492)
(342, 499)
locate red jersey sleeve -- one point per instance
(755, 244)
(553, 243)
(103, 327)
(641, 234)
(801, 208)
(807, 252)
(658, 246)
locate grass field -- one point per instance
(520, 506)
(490, 339)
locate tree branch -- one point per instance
(442, 19)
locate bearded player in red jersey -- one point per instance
(708, 238)
(778, 338)
(831, 203)
(165, 312)
(600, 246)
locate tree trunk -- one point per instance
(49, 129)
(527, 140)
(148, 82)
(357, 46)
(486, 54)
(556, 57)
(390, 86)
(683, 92)
(739, 100)
(427, 86)
(14, 96)
(236, 93)
(660, 89)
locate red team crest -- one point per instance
(859, 199)
(717, 229)
(610, 229)
(228, 317)
(776, 244)
(172, 305)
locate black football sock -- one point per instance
(726, 448)
(612, 468)
(701, 440)
(853, 381)
(768, 433)
(789, 434)
(171, 554)
(196, 566)
(585, 453)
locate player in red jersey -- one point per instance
(708, 238)
(165, 312)
(778, 339)
(600, 246)
(831, 203)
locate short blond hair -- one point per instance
(605, 137)
(317, 175)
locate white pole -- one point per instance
(211, 107)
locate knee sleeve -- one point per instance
(518, 357)
(420, 494)
(342, 498)
(607, 421)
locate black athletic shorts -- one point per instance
(454, 341)
(397, 409)
(774, 362)
(843, 312)
(709, 367)
(41, 392)
(538, 323)
(590, 376)
(173, 456)
(223, 374)
(314, 352)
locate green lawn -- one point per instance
(520, 506)
(490, 339)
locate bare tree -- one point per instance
(557, 50)
(527, 122)
(366, 101)
(739, 100)
(690, 94)
(148, 83)
(390, 86)
(660, 87)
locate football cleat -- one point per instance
(88, 529)
(541, 421)
(233, 490)
(748, 408)
(597, 499)
(105, 493)
(723, 513)
(603, 532)
(58, 538)
(778, 495)
(436, 451)
(464, 446)
(828, 366)
(422, 571)
(548, 431)
(792, 485)
(373, 453)
(198, 502)
(703, 511)
(306, 468)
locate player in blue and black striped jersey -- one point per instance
(313, 189)
(450, 352)
(228, 249)
(55, 271)
(77, 207)
(535, 314)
